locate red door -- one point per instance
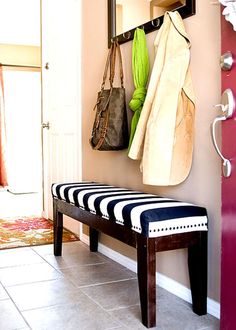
(228, 261)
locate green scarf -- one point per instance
(140, 69)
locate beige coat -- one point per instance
(164, 136)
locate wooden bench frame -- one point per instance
(196, 242)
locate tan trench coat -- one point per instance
(164, 136)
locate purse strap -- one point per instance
(111, 60)
(108, 62)
(120, 64)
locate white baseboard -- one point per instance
(213, 307)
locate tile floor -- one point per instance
(80, 290)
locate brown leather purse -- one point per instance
(110, 128)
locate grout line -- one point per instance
(17, 309)
(105, 283)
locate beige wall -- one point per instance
(203, 184)
(20, 55)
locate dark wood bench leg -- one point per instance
(146, 259)
(58, 229)
(93, 239)
(197, 263)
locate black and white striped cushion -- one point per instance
(148, 214)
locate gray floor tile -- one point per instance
(43, 249)
(85, 314)
(114, 295)
(82, 257)
(175, 317)
(181, 317)
(74, 247)
(108, 296)
(165, 299)
(43, 294)
(97, 274)
(130, 317)
(28, 274)
(168, 321)
(10, 318)
(19, 256)
(67, 248)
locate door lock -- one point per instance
(226, 61)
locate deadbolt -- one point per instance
(226, 61)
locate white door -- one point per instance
(61, 90)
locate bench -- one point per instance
(148, 222)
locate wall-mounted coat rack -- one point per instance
(186, 8)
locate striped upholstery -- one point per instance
(151, 215)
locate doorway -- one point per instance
(20, 56)
(23, 195)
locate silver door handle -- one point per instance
(226, 165)
(227, 107)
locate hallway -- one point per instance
(80, 290)
(13, 205)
